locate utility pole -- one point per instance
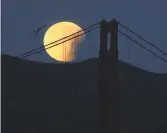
(109, 92)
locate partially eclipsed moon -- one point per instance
(65, 51)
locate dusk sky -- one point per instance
(20, 18)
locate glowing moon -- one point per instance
(65, 51)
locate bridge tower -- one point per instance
(109, 91)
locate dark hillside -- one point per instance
(61, 98)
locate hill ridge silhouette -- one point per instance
(93, 60)
(61, 97)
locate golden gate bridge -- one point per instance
(109, 90)
(90, 29)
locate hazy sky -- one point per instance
(146, 17)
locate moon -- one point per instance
(66, 51)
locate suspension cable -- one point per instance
(143, 46)
(24, 54)
(142, 38)
(59, 43)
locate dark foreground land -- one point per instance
(61, 98)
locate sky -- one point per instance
(20, 18)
